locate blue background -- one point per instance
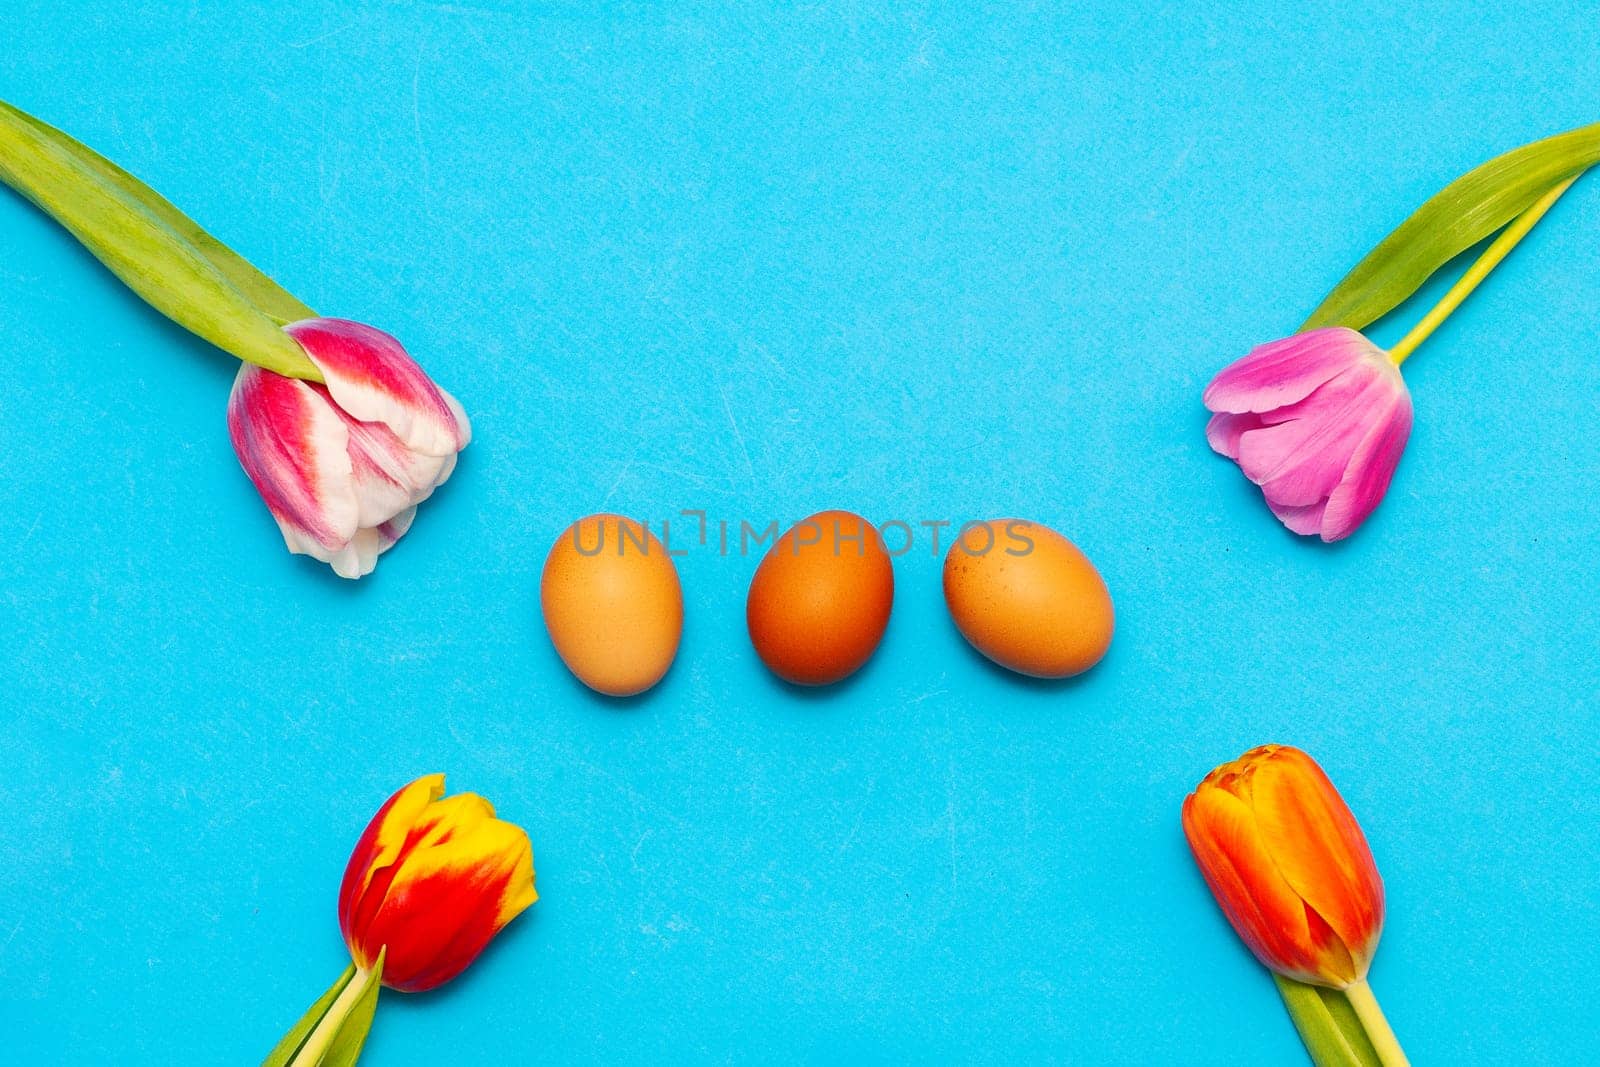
(761, 261)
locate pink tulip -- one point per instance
(342, 466)
(1318, 421)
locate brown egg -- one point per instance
(612, 604)
(820, 600)
(1024, 596)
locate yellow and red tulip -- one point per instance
(1291, 869)
(432, 880)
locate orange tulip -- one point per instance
(1287, 862)
(432, 881)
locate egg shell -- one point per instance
(1027, 598)
(820, 600)
(612, 604)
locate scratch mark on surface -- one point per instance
(740, 339)
(861, 814)
(319, 38)
(611, 879)
(737, 436)
(1174, 171)
(642, 804)
(461, 9)
(323, 229)
(25, 539)
(633, 857)
(699, 481)
(950, 816)
(626, 467)
(473, 752)
(416, 124)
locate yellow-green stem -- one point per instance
(1497, 250)
(1377, 1027)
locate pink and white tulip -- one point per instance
(1318, 421)
(342, 466)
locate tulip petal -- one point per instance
(359, 557)
(1319, 849)
(463, 424)
(372, 377)
(389, 477)
(395, 528)
(380, 847)
(448, 900)
(1224, 430)
(1300, 460)
(1234, 857)
(1305, 520)
(1370, 471)
(293, 444)
(1284, 371)
(447, 819)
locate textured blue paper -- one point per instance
(758, 261)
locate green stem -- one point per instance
(1377, 1027)
(1475, 274)
(140, 245)
(1319, 1032)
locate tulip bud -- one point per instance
(342, 466)
(431, 882)
(1290, 867)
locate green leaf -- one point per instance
(285, 1049)
(1460, 215)
(346, 1046)
(152, 258)
(1322, 1036)
(333, 1030)
(1349, 1024)
(267, 295)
